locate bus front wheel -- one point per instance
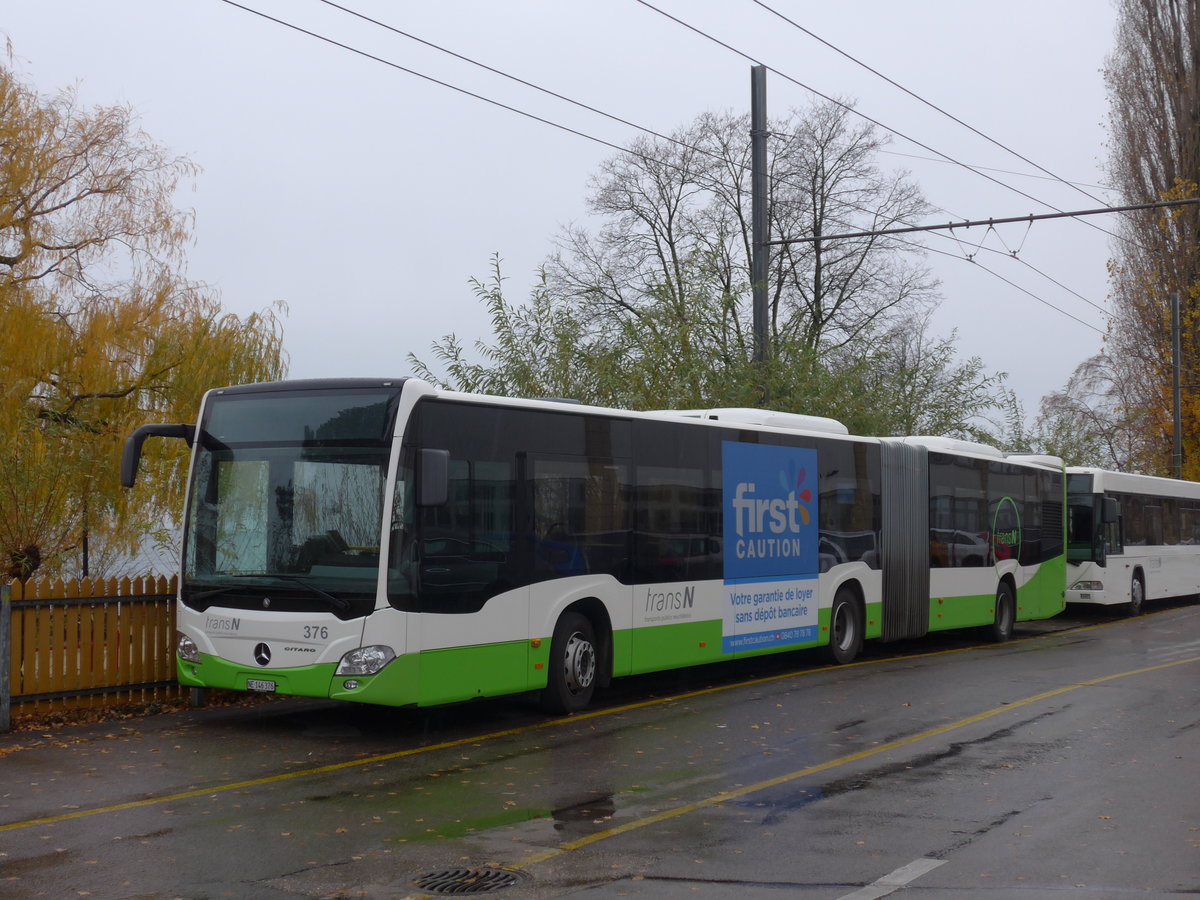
(845, 627)
(571, 679)
(1137, 594)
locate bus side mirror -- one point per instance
(433, 477)
(1112, 511)
(132, 454)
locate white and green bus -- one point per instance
(391, 543)
(1131, 538)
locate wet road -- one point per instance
(1064, 762)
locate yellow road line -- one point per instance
(735, 793)
(444, 745)
(508, 732)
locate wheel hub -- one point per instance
(841, 631)
(580, 663)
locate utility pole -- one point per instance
(1177, 454)
(760, 224)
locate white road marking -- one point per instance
(893, 881)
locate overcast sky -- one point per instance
(366, 197)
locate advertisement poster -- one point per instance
(771, 544)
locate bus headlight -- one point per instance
(1088, 586)
(186, 648)
(366, 660)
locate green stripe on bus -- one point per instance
(489, 670)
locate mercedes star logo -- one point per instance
(262, 654)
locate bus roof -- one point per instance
(727, 416)
(749, 416)
(952, 445)
(1106, 480)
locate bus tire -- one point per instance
(571, 679)
(1137, 595)
(1006, 614)
(845, 627)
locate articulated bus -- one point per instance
(1131, 538)
(391, 543)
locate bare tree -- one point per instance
(652, 307)
(1096, 419)
(677, 236)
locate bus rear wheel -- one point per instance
(1006, 614)
(845, 627)
(571, 679)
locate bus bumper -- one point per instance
(395, 685)
(1096, 596)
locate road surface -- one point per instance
(1063, 763)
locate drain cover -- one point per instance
(459, 882)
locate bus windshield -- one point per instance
(286, 500)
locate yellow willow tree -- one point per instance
(99, 329)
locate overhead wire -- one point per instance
(1047, 173)
(509, 76)
(1056, 283)
(961, 258)
(1098, 187)
(1013, 284)
(1014, 255)
(1028, 265)
(856, 112)
(642, 128)
(545, 121)
(944, 158)
(829, 99)
(615, 118)
(474, 95)
(429, 78)
(928, 103)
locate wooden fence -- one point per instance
(88, 643)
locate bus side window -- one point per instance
(1133, 527)
(401, 546)
(580, 508)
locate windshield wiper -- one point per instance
(214, 592)
(338, 603)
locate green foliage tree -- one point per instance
(909, 382)
(653, 309)
(101, 331)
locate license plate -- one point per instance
(253, 684)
